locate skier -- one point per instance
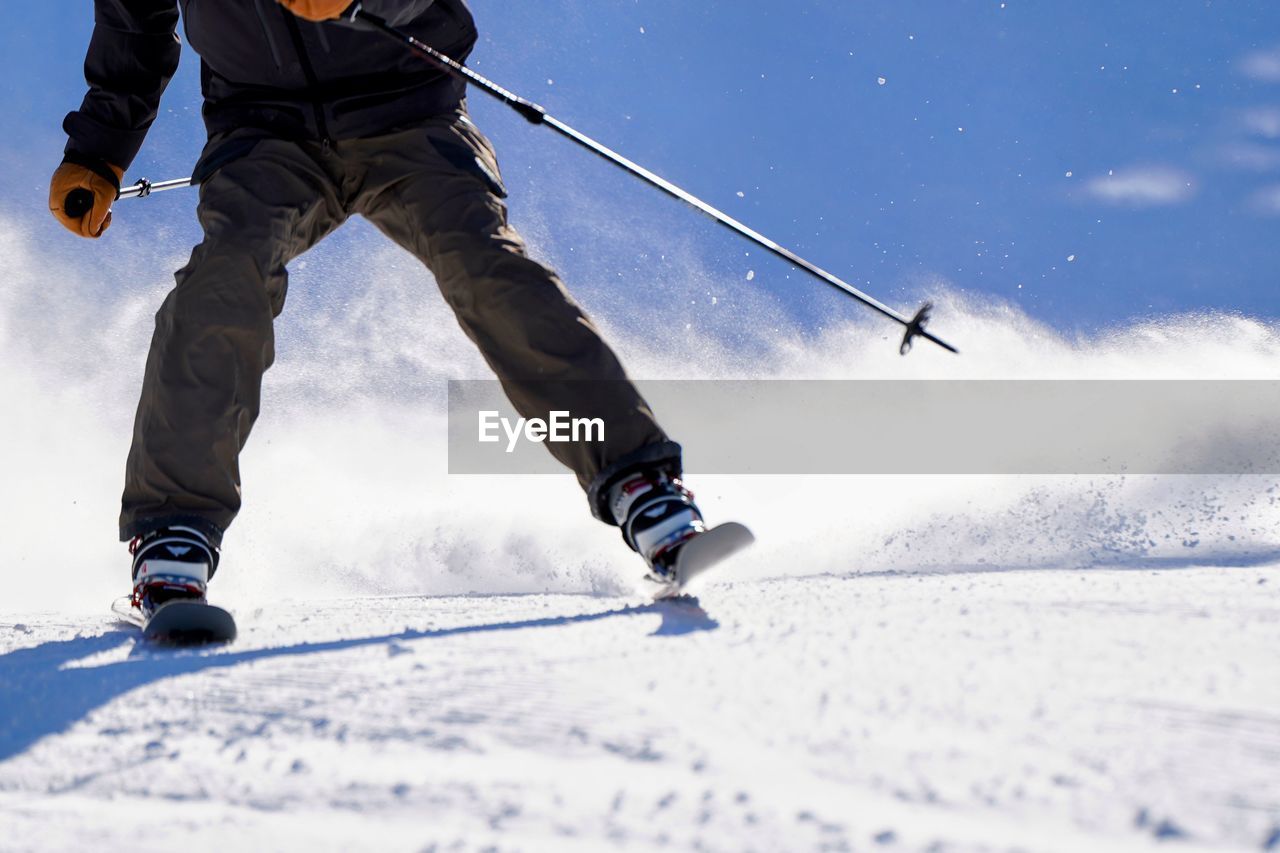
(311, 120)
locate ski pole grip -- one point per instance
(77, 203)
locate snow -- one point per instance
(1039, 710)
(434, 662)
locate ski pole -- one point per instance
(144, 188)
(79, 202)
(535, 114)
(913, 327)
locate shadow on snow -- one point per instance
(41, 696)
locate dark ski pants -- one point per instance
(435, 190)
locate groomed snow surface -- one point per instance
(1034, 710)
(430, 662)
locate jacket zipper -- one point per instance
(313, 82)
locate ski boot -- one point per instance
(170, 564)
(657, 517)
(171, 570)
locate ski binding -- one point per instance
(700, 553)
(180, 622)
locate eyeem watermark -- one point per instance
(887, 427)
(560, 427)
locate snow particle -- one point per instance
(881, 80)
(751, 274)
(1069, 174)
(642, 31)
(1071, 258)
(741, 194)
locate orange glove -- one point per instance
(81, 197)
(316, 10)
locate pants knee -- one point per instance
(228, 285)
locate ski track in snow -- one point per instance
(1046, 710)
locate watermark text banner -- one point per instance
(908, 427)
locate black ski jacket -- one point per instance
(264, 67)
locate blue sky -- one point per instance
(1089, 163)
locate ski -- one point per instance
(701, 553)
(180, 622)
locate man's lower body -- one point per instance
(433, 189)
